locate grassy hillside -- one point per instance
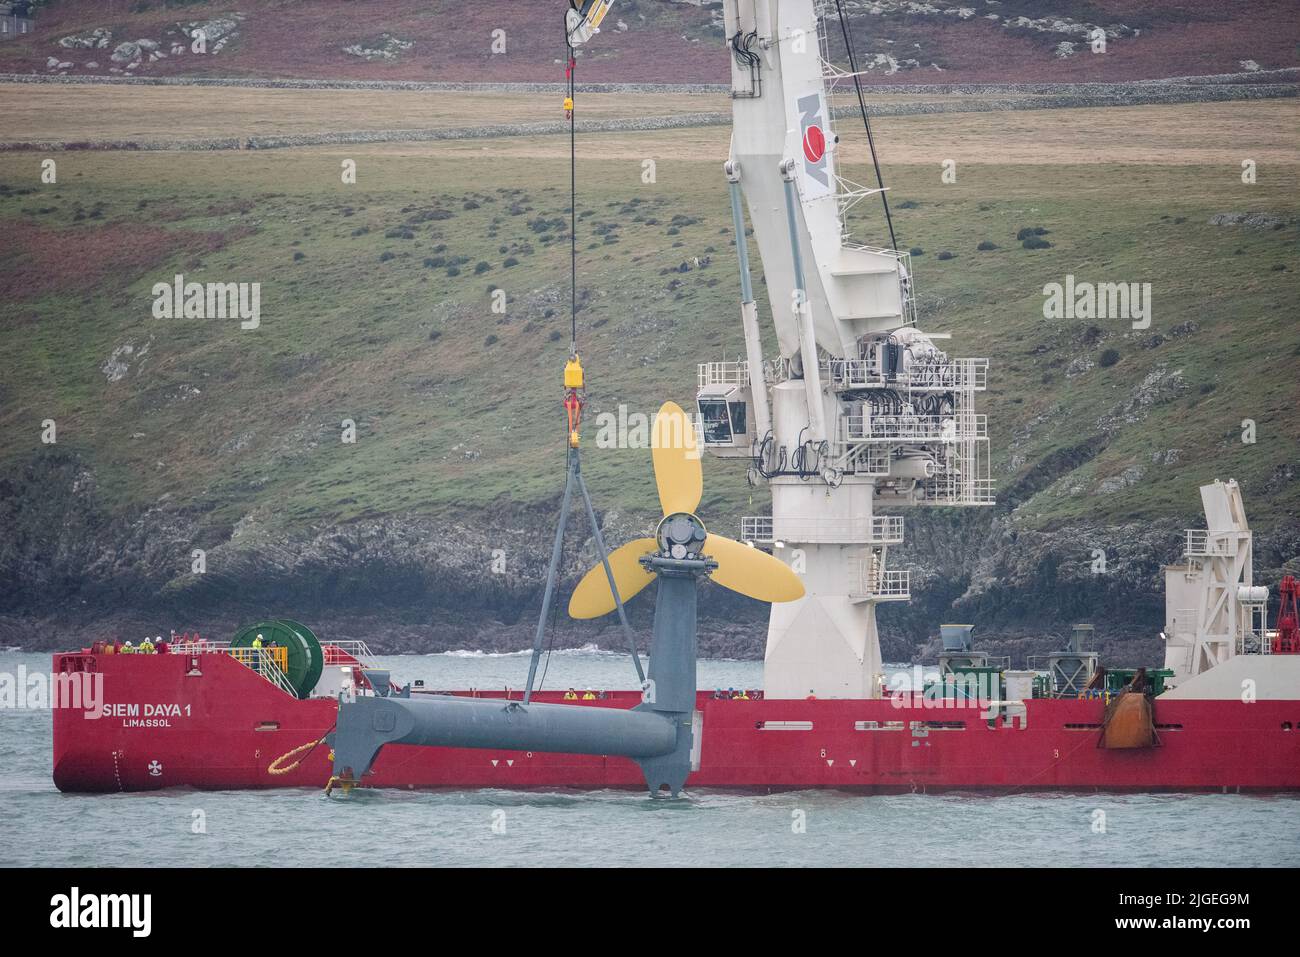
(662, 41)
(376, 307)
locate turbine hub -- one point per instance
(680, 535)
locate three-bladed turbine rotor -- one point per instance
(681, 535)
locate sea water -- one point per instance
(41, 827)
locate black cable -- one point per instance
(573, 198)
(862, 105)
(740, 45)
(550, 647)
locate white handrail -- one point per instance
(1203, 543)
(938, 428)
(876, 530)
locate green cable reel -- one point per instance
(305, 658)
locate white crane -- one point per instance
(856, 406)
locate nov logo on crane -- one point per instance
(812, 122)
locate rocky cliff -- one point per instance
(74, 571)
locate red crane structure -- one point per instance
(1287, 639)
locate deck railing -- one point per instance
(270, 663)
(876, 530)
(355, 648)
(928, 428)
(923, 375)
(1203, 544)
(873, 583)
(723, 373)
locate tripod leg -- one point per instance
(551, 573)
(609, 574)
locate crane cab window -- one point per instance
(715, 415)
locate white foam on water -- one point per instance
(587, 649)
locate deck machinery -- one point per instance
(857, 407)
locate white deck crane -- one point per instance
(857, 406)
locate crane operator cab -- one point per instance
(725, 419)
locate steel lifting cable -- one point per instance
(570, 77)
(862, 106)
(551, 627)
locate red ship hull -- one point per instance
(162, 725)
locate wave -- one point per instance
(587, 649)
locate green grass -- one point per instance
(346, 335)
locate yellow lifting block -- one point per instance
(568, 104)
(573, 373)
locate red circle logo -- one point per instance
(814, 143)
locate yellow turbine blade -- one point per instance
(752, 572)
(677, 461)
(592, 598)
